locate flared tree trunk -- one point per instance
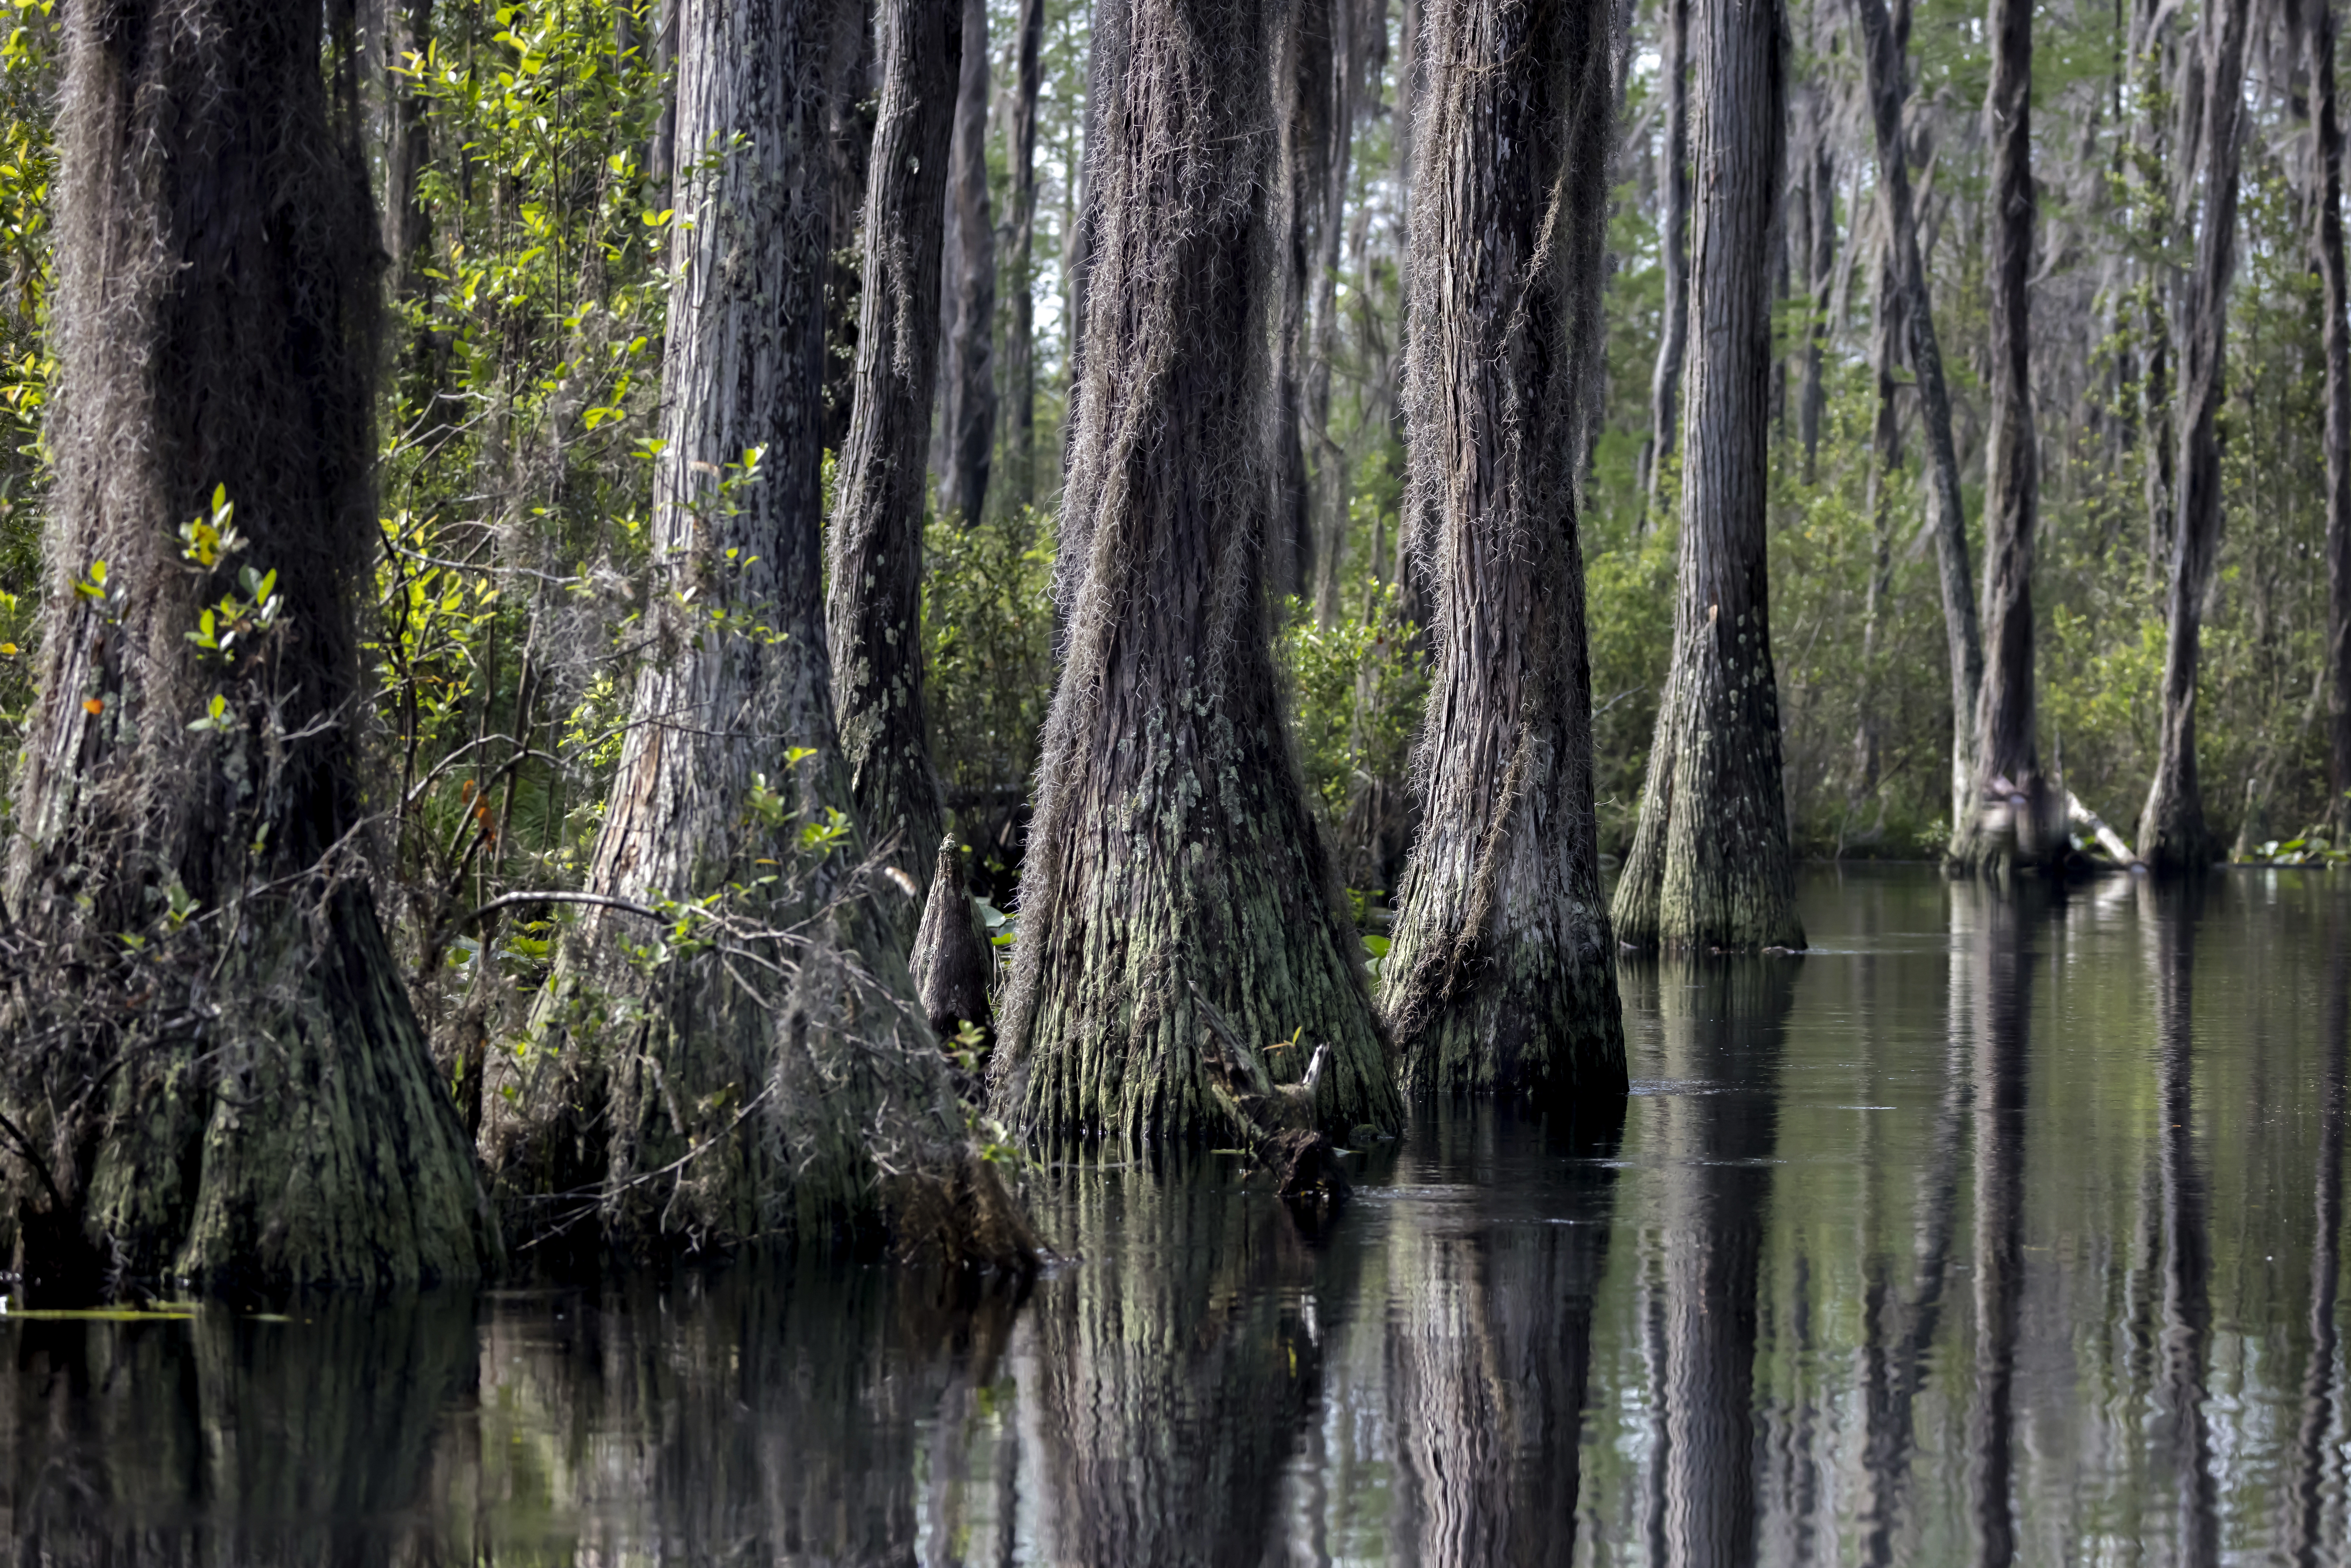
(208, 1065)
(1882, 40)
(967, 435)
(1710, 865)
(875, 545)
(761, 1067)
(2012, 819)
(1502, 976)
(2326, 244)
(1307, 111)
(2172, 836)
(1673, 232)
(1020, 328)
(1172, 856)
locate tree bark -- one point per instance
(1502, 976)
(1673, 337)
(2172, 835)
(1021, 332)
(967, 437)
(2326, 243)
(875, 545)
(1995, 833)
(1885, 334)
(1172, 842)
(1327, 479)
(1710, 865)
(846, 27)
(407, 226)
(1820, 265)
(208, 1065)
(2152, 24)
(1308, 109)
(1882, 40)
(676, 1103)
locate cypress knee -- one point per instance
(1172, 839)
(208, 1065)
(1504, 971)
(1710, 865)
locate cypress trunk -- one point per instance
(1883, 46)
(2152, 24)
(755, 1064)
(1885, 476)
(1172, 856)
(966, 436)
(1820, 195)
(1021, 332)
(208, 1065)
(1308, 110)
(875, 545)
(1673, 337)
(2172, 835)
(1502, 976)
(407, 227)
(1710, 865)
(846, 30)
(2326, 242)
(1327, 487)
(2013, 818)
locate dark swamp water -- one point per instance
(1990, 1232)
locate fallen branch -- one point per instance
(2083, 819)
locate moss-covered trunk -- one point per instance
(2013, 817)
(1172, 845)
(874, 546)
(1710, 865)
(755, 1064)
(2172, 834)
(1504, 971)
(208, 1065)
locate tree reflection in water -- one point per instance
(2001, 1228)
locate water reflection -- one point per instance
(1998, 1229)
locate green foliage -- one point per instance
(1356, 689)
(988, 642)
